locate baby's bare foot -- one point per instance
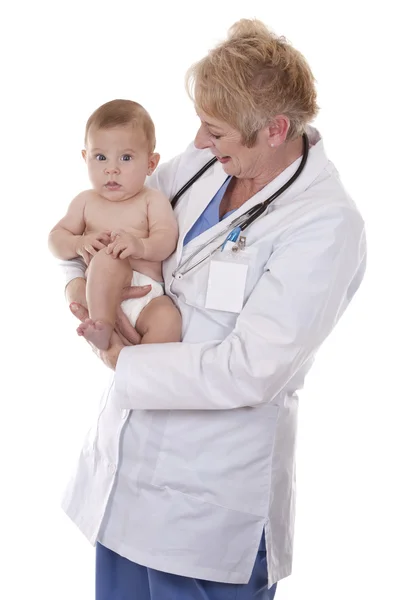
(96, 332)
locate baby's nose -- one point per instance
(112, 169)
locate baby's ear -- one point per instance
(153, 162)
(84, 154)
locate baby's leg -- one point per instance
(159, 321)
(105, 279)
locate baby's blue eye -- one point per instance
(100, 157)
(126, 157)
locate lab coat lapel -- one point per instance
(196, 199)
(316, 162)
(205, 237)
(202, 192)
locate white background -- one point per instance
(59, 61)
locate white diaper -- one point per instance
(133, 307)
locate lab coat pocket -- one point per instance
(221, 457)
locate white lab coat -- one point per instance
(193, 451)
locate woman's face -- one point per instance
(225, 143)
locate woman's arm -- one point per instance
(72, 269)
(76, 291)
(308, 282)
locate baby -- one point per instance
(122, 229)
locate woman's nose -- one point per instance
(202, 139)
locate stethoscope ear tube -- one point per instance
(259, 209)
(191, 181)
(240, 223)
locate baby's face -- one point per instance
(118, 161)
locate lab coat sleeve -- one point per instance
(70, 269)
(307, 284)
(308, 281)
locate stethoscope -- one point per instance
(238, 225)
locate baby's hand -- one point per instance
(91, 243)
(125, 244)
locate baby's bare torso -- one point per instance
(131, 215)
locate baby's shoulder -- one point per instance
(154, 195)
(89, 195)
(85, 197)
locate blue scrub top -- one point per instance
(210, 215)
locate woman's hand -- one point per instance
(123, 327)
(125, 334)
(76, 291)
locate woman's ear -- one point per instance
(277, 130)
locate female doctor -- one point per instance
(187, 482)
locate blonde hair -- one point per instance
(122, 112)
(250, 78)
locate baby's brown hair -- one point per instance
(122, 112)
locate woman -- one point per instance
(187, 483)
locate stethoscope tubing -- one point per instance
(243, 221)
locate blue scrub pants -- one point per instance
(120, 579)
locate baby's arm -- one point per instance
(66, 239)
(163, 230)
(64, 236)
(162, 233)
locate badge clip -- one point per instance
(240, 245)
(232, 237)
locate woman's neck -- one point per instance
(242, 189)
(280, 159)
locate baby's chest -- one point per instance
(116, 215)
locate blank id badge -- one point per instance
(227, 277)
